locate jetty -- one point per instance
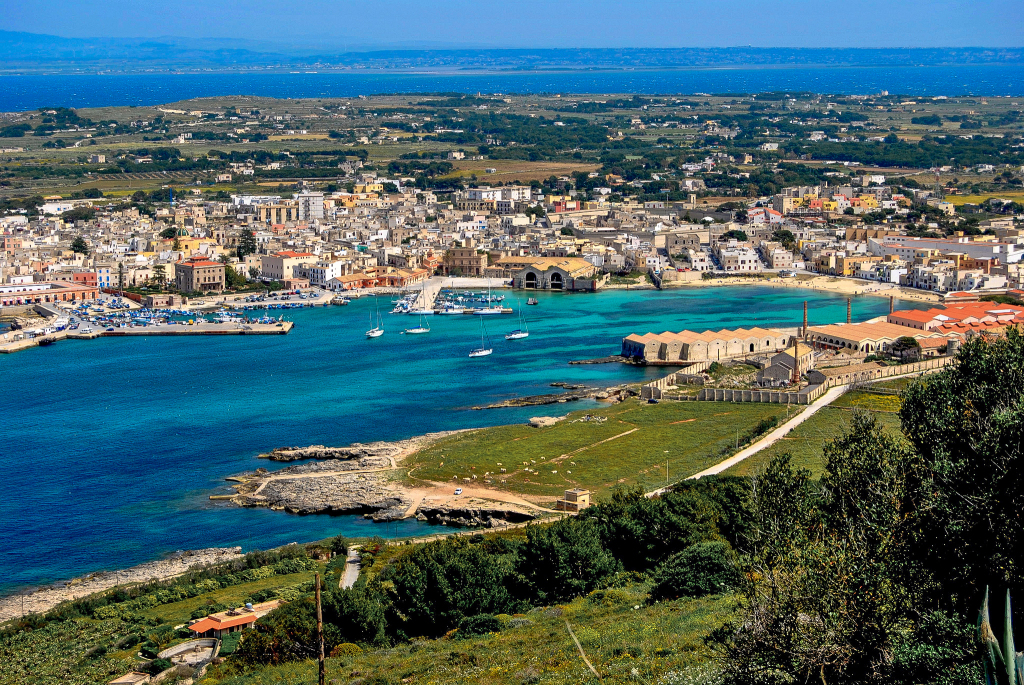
(202, 328)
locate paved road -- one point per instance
(352, 566)
(768, 440)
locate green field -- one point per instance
(180, 612)
(806, 442)
(630, 447)
(618, 629)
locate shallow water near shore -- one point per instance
(109, 449)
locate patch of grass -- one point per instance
(180, 612)
(869, 401)
(630, 447)
(655, 639)
(806, 442)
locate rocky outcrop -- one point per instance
(357, 450)
(485, 517)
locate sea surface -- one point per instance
(31, 91)
(110, 448)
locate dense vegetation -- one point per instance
(871, 574)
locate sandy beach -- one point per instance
(826, 284)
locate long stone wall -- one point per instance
(655, 389)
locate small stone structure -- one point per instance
(574, 500)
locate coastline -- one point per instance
(46, 598)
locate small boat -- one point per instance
(523, 331)
(453, 310)
(532, 300)
(485, 348)
(46, 341)
(487, 310)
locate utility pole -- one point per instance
(320, 632)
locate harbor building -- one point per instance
(688, 346)
(558, 273)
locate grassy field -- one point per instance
(807, 441)
(630, 447)
(627, 639)
(958, 200)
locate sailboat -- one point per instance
(489, 309)
(422, 328)
(377, 330)
(484, 348)
(523, 331)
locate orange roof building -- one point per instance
(233, 620)
(689, 346)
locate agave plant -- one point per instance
(1003, 666)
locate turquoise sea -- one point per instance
(109, 449)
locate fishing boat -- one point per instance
(532, 300)
(49, 341)
(377, 330)
(485, 347)
(523, 331)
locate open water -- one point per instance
(31, 91)
(109, 449)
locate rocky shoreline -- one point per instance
(357, 450)
(46, 598)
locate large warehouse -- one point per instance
(688, 346)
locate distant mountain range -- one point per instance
(30, 52)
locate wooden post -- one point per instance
(320, 632)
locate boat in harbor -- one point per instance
(485, 345)
(523, 331)
(377, 330)
(532, 300)
(452, 310)
(418, 330)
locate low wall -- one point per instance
(866, 376)
(805, 396)
(204, 642)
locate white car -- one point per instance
(458, 491)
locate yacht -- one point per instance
(485, 347)
(523, 331)
(377, 330)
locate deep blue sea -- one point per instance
(41, 90)
(109, 449)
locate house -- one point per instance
(233, 620)
(286, 264)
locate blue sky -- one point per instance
(539, 23)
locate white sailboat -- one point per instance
(422, 328)
(485, 348)
(488, 309)
(523, 331)
(377, 330)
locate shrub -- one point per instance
(346, 648)
(481, 624)
(703, 569)
(157, 666)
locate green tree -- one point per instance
(169, 233)
(734, 234)
(79, 245)
(565, 560)
(246, 243)
(906, 348)
(160, 274)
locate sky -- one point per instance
(537, 23)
